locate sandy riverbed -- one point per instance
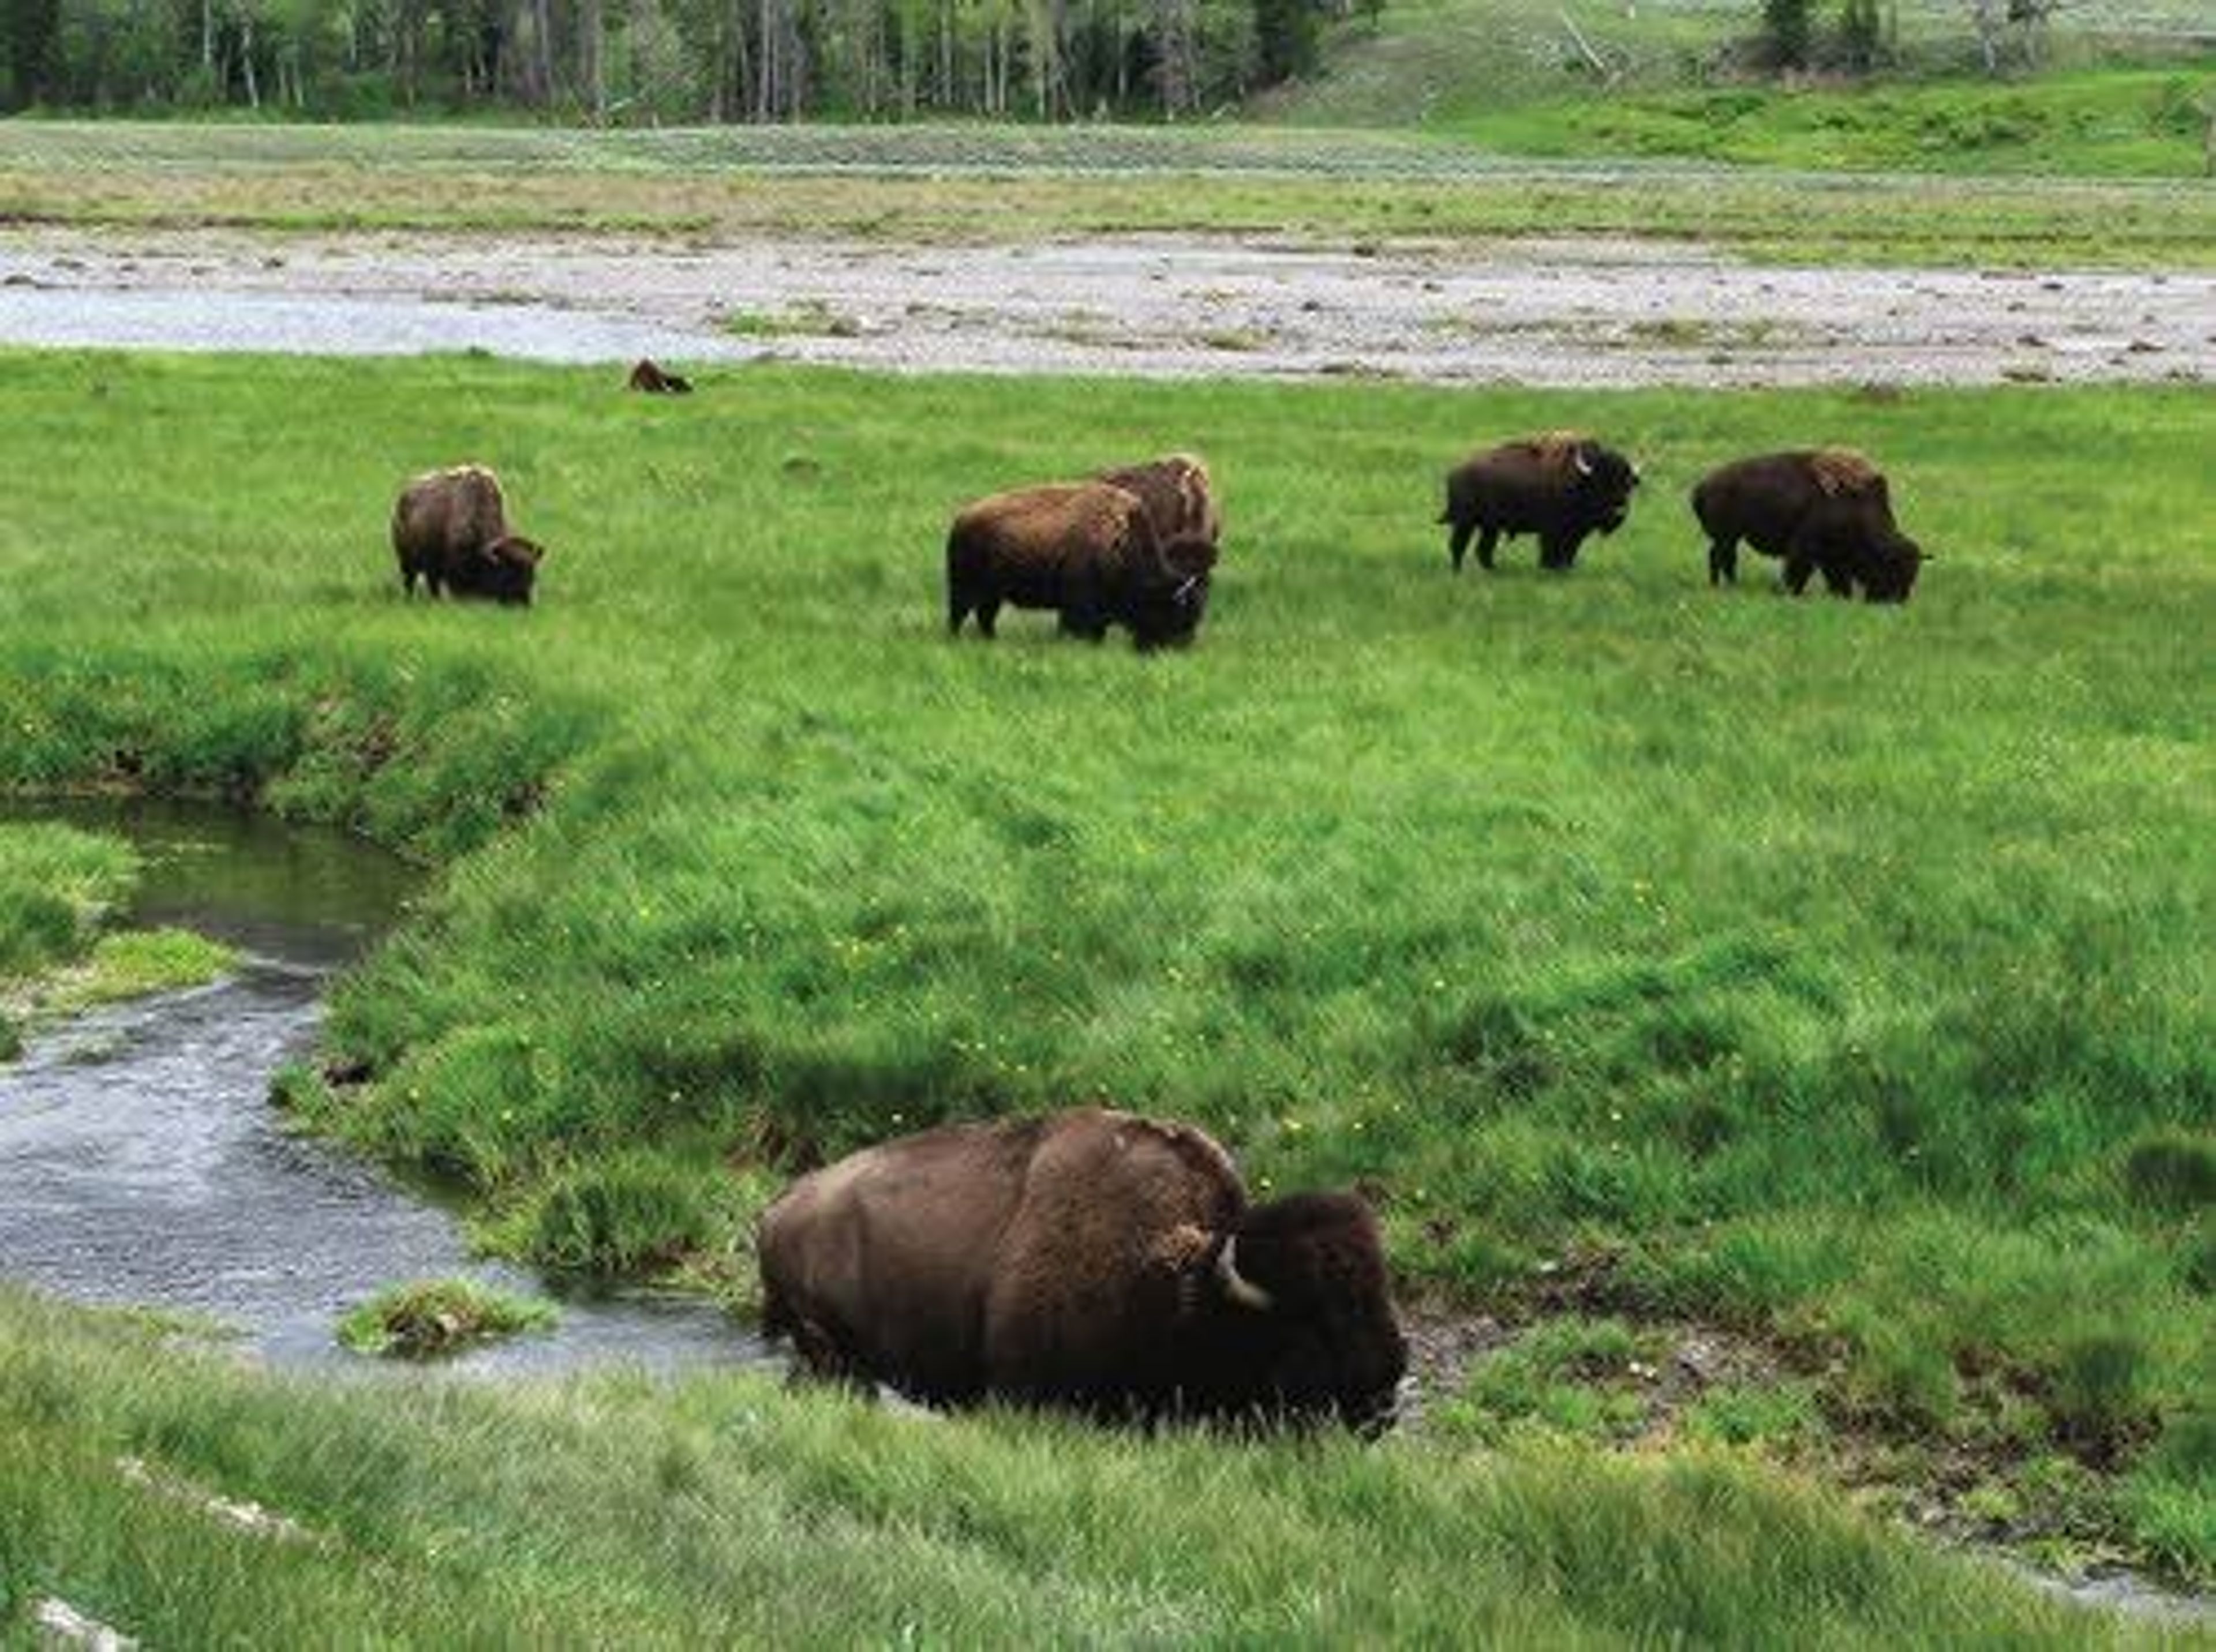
(1570, 314)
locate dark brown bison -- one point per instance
(1824, 509)
(450, 530)
(1562, 486)
(1089, 1259)
(1086, 550)
(648, 378)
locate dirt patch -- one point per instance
(1574, 314)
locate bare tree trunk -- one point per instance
(246, 57)
(592, 71)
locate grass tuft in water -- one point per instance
(429, 1317)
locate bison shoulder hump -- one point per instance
(1839, 470)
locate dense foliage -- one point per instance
(642, 60)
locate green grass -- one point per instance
(429, 1317)
(940, 184)
(57, 887)
(1505, 77)
(725, 1511)
(2118, 123)
(1834, 974)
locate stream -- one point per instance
(145, 1163)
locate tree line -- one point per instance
(637, 60)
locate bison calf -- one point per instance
(1091, 1260)
(450, 530)
(1086, 550)
(1823, 510)
(1562, 486)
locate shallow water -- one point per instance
(142, 1162)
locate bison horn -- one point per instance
(1582, 460)
(1236, 1285)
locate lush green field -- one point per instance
(610, 1513)
(1832, 975)
(957, 184)
(2150, 123)
(1682, 82)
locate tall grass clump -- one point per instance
(724, 1511)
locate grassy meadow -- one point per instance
(615, 1512)
(953, 185)
(2117, 89)
(1834, 977)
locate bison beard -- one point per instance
(1827, 509)
(1562, 486)
(1090, 1260)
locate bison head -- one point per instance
(1603, 480)
(1889, 574)
(1169, 597)
(1305, 1320)
(507, 568)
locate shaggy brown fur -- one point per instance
(1078, 1259)
(1179, 498)
(450, 530)
(1841, 470)
(1561, 485)
(653, 381)
(1086, 550)
(1827, 510)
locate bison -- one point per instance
(1090, 1259)
(1562, 486)
(1824, 509)
(450, 530)
(1086, 549)
(651, 380)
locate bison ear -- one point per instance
(1236, 1285)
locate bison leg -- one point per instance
(1458, 543)
(1558, 554)
(1836, 580)
(989, 610)
(1799, 565)
(1485, 542)
(957, 610)
(1723, 560)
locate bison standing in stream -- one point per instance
(1086, 549)
(1827, 509)
(1562, 486)
(1090, 1259)
(450, 530)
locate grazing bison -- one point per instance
(648, 378)
(1086, 550)
(1824, 509)
(1090, 1259)
(450, 529)
(1561, 486)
